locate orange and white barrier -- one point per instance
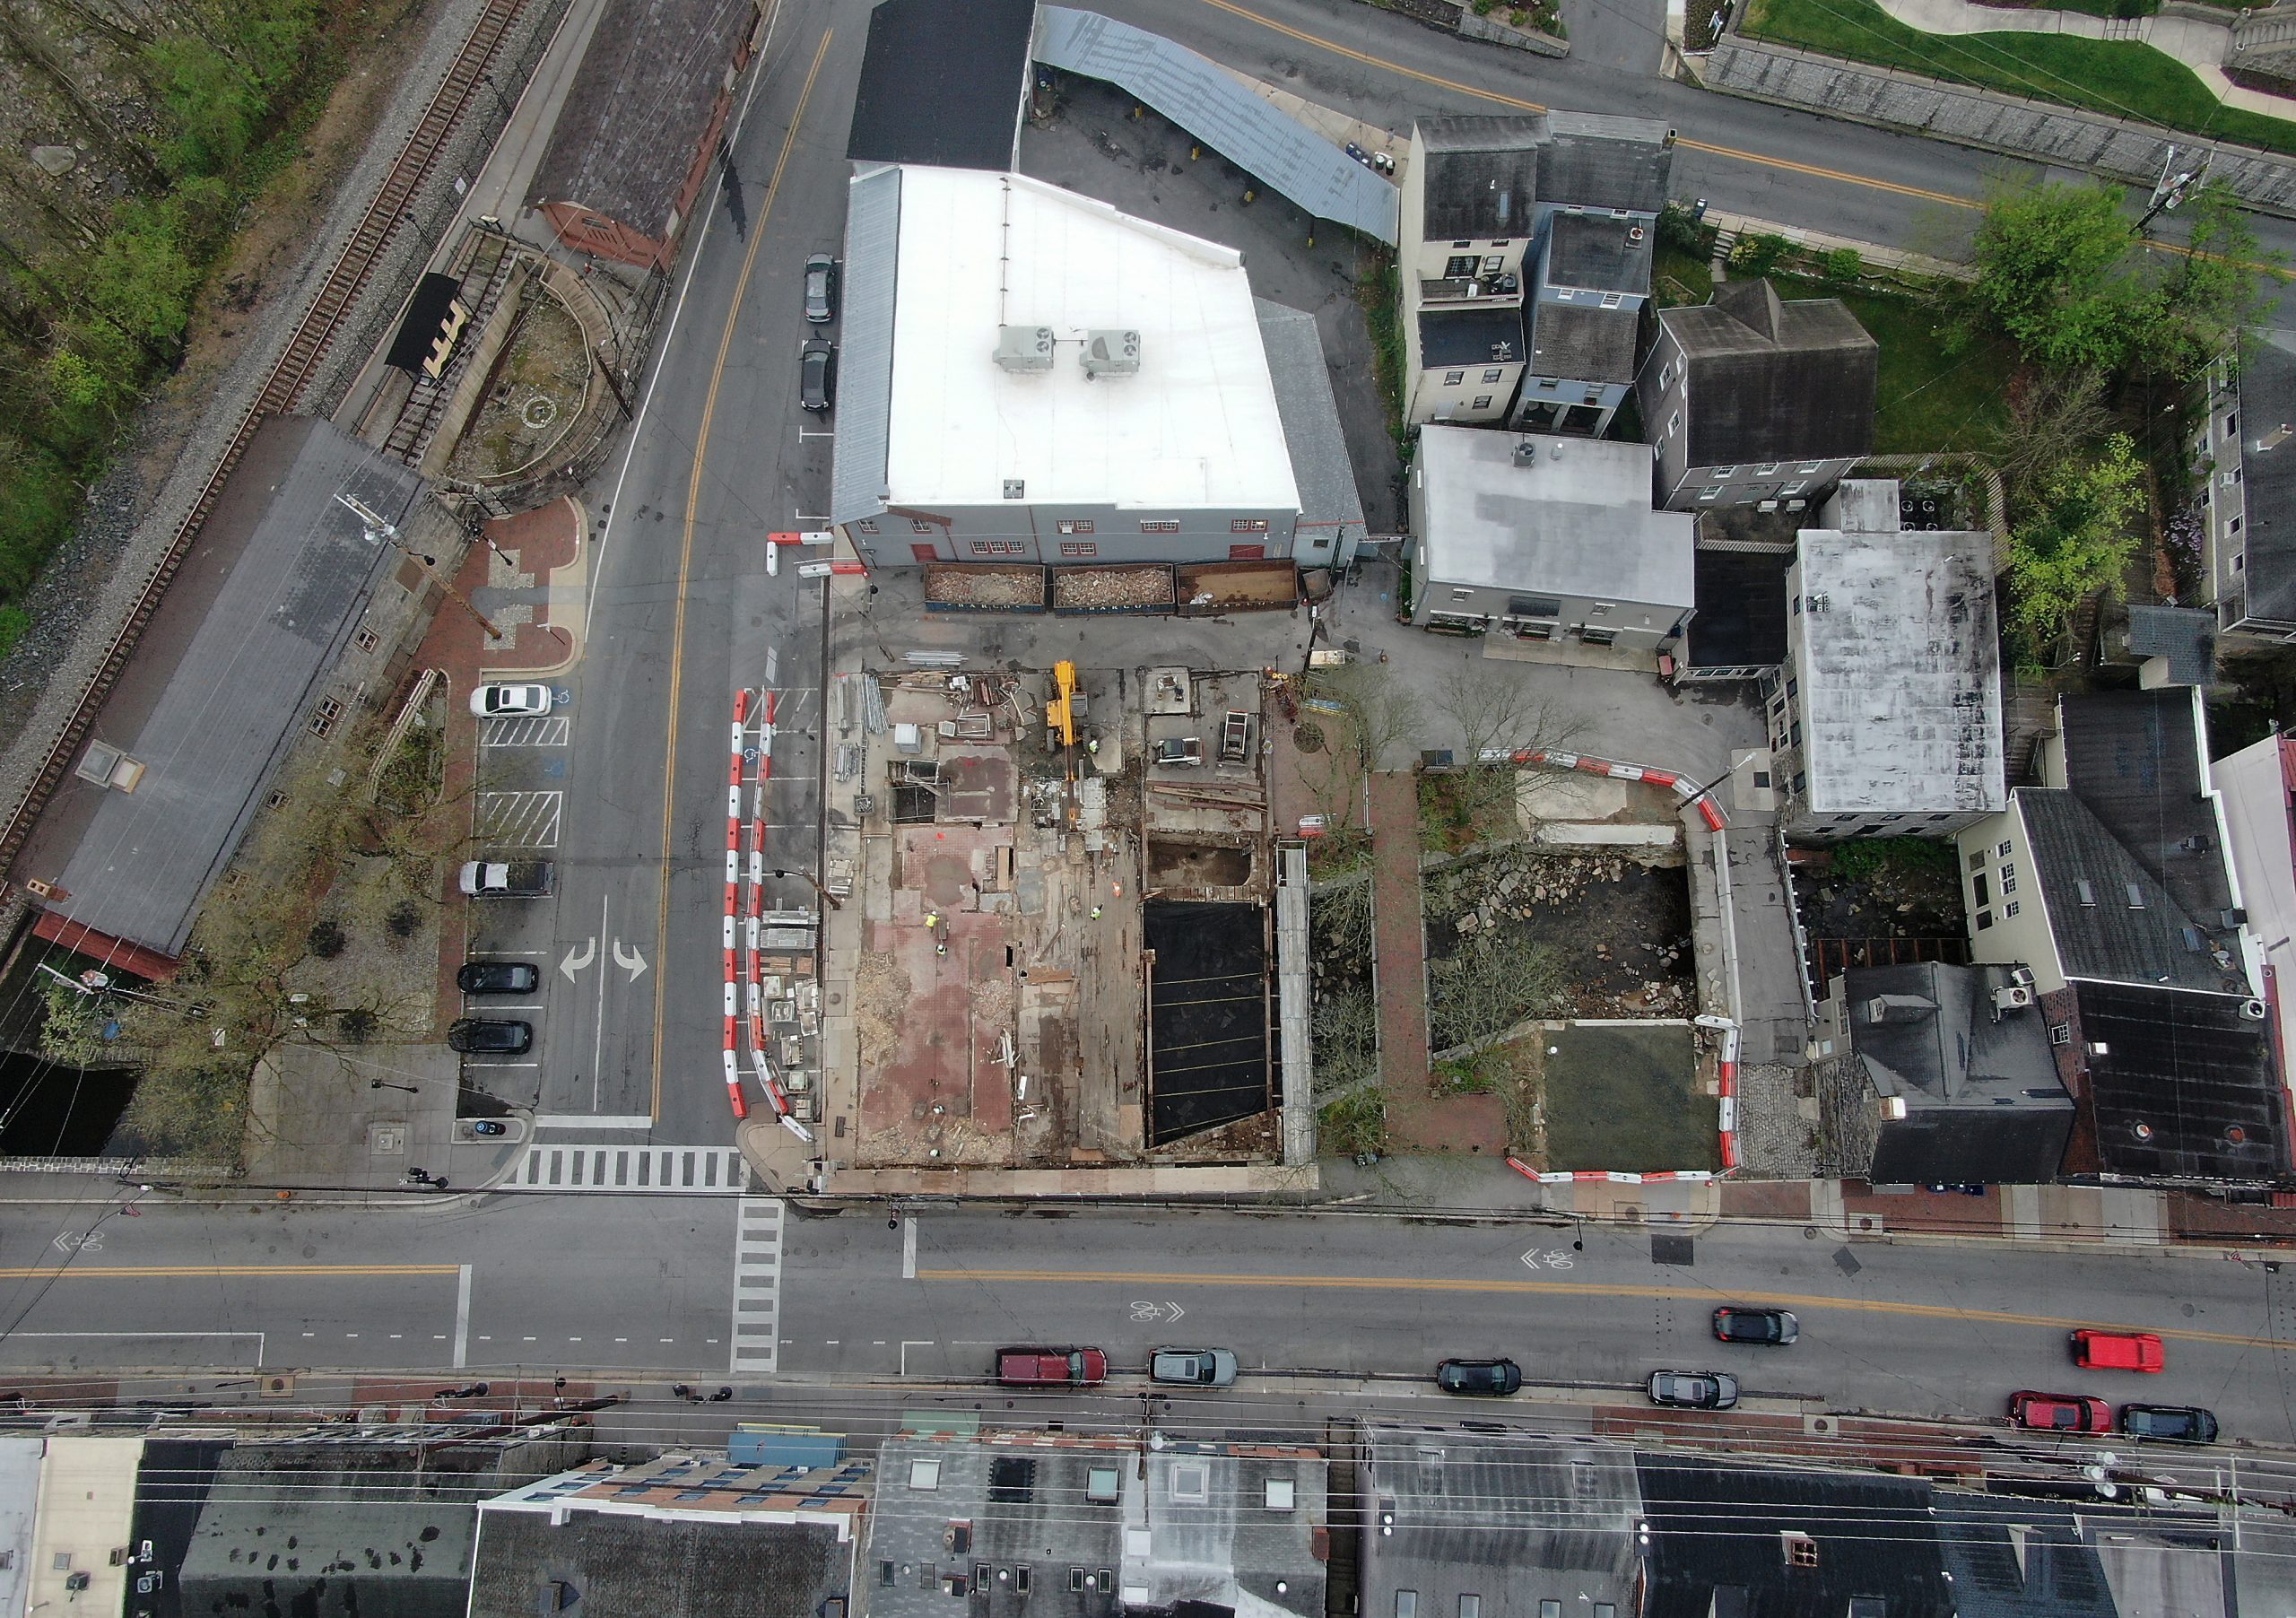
(1708, 810)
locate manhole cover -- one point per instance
(539, 412)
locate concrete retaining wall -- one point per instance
(1976, 117)
(1472, 27)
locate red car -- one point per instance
(1051, 1366)
(2060, 1412)
(2118, 1351)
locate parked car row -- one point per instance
(1089, 1367)
(817, 359)
(2080, 1412)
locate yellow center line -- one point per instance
(1577, 1289)
(163, 1272)
(685, 550)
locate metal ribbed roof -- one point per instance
(1194, 93)
(864, 362)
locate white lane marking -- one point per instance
(757, 1286)
(618, 1166)
(909, 1249)
(461, 1317)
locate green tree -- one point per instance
(2052, 275)
(2211, 293)
(2077, 541)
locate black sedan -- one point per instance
(498, 978)
(817, 374)
(1479, 1375)
(491, 1036)
(1694, 1391)
(1776, 1326)
(2183, 1423)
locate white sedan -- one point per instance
(500, 702)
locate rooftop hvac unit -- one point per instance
(1527, 451)
(1111, 354)
(2017, 996)
(1024, 348)
(2253, 1009)
(2022, 975)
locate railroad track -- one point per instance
(298, 363)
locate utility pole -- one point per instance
(381, 529)
(2173, 186)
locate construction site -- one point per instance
(1073, 940)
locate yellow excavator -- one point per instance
(1060, 713)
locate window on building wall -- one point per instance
(1977, 859)
(917, 524)
(2001, 850)
(1793, 685)
(1160, 525)
(2234, 526)
(1715, 494)
(1767, 470)
(1723, 472)
(983, 547)
(1494, 374)
(1462, 244)
(866, 525)
(2008, 882)
(2232, 425)
(1793, 734)
(1674, 423)
(1076, 525)
(1808, 467)
(1455, 379)
(1548, 384)
(1611, 300)
(2241, 564)
(1794, 488)
(2010, 908)
(1801, 781)
(1457, 594)
(1982, 888)
(1248, 525)
(1079, 547)
(1481, 402)
(1457, 268)
(1597, 635)
(1984, 920)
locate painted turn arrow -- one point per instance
(576, 960)
(633, 962)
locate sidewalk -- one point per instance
(2200, 46)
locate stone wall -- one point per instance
(1975, 117)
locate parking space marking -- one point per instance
(530, 730)
(641, 1170)
(519, 819)
(757, 1286)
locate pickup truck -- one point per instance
(1051, 1366)
(508, 879)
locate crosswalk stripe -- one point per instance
(757, 1284)
(661, 1170)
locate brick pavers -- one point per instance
(1400, 937)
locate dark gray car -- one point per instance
(1694, 1391)
(820, 288)
(817, 374)
(491, 1036)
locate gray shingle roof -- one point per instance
(2135, 759)
(1481, 176)
(1312, 434)
(1774, 380)
(2267, 389)
(632, 123)
(1599, 252)
(2185, 635)
(2100, 931)
(860, 451)
(1594, 161)
(1583, 342)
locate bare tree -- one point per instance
(1365, 714)
(1487, 985)
(2055, 416)
(1501, 715)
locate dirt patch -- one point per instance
(880, 988)
(1197, 865)
(1619, 925)
(534, 397)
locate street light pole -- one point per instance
(829, 898)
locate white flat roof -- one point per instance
(1196, 427)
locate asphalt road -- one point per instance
(641, 1287)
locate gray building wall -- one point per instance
(1464, 394)
(1077, 532)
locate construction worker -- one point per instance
(1096, 912)
(1092, 747)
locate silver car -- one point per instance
(1193, 1366)
(820, 288)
